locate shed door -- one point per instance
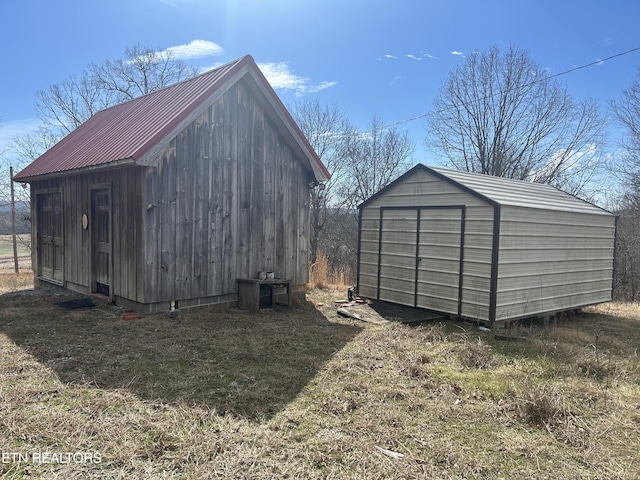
(49, 235)
(101, 241)
(440, 247)
(421, 257)
(397, 257)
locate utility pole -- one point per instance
(13, 223)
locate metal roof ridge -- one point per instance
(181, 83)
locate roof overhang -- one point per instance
(122, 163)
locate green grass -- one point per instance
(6, 251)
(304, 393)
(6, 246)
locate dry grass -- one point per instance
(321, 276)
(303, 393)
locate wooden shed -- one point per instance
(166, 200)
(483, 248)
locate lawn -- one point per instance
(6, 246)
(304, 393)
(6, 253)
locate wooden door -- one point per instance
(101, 241)
(49, 231)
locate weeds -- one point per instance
(541, 405)
(474, 353)
(322, 276)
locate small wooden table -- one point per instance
(249, 291)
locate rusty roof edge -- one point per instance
(121, 163)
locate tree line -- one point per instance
(497, 113)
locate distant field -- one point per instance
(6, 252)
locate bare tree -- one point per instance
(26, 148)
(23, 149)
(325, 127)
(65, 105)
(626, 111)
(501, 114)
(373, 159)
(142, 71)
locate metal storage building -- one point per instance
(483, 248)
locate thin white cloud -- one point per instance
(397, 79)
(413, 57)
(196, 49)
(428, 55)
(455, 52)
(11, 129)
(281, 77)
(391, 57)
(607, 41)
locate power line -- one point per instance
(571, 70)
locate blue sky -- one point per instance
(371, 57)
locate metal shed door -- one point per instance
(421, 257)
(397, 255)
(440, 249)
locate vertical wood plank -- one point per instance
(201, 207)
(167, 225)
(270, 188)
(151, 209)
(216, 202)
(230, 192)
(259, 199)
(244, 165)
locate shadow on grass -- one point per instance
(406, 314)
(236, 362)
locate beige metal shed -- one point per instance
(483, 248)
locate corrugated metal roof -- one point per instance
(505, 191)
(519, 193)
(125, 132)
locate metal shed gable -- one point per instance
(420, 212)
(440, 173)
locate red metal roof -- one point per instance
(125, 132)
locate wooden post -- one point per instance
(13, 222)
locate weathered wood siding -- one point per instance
(228, 198)
(126, 229)
(553, 261)
(398, 264)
